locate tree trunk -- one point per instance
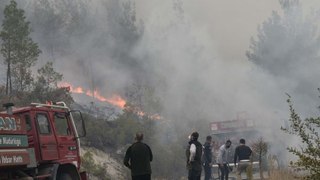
(22, 75)
(8, 83)
(260, 166)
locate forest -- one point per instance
(170, 74)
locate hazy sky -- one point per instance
(231, 23)
(221, 29)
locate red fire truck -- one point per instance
(233, 130)
(40, 141)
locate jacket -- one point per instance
(138, 157)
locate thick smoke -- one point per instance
(104, 45)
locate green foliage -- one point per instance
(286, 40)
(93, 169)
(143, 97)
(20, 54)
(308, 152)
(18, 49)
(100, 133)
(129, 123)
(58, 23)
(44, 89)
(47, 77)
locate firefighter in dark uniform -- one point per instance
(207, 158)
(194, 153)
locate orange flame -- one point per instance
(154, 116)
(78, 90)
(115, 100)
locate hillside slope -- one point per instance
(114, 169)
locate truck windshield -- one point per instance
(61, 124)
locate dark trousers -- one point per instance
(142, 177)
(207, 172)
(194, 175)
(224, 172)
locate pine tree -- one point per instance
(287, 42)
(48, 76)
(18, 49)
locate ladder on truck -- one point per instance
(60, 104)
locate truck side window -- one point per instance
(43, 123)
(61, 124)
(28, 122)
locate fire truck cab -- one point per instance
(41, 141)
(233, 130)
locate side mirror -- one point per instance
(78, 121)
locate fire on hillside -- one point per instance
(115, 100)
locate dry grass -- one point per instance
(283, 175)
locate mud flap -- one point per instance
(83, 175)
(54, 171)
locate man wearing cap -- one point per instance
(137, 159)
(242, 155)
(222, 160)
(194, 153)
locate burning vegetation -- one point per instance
(172, 78)
(115, 100)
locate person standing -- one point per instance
(242, 155)
(194, 153)
(207, 158)
(222, 160)
(137, 159)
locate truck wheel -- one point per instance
(65, 176)
(67, 172)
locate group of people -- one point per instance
(198, 156)
(139, 155)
